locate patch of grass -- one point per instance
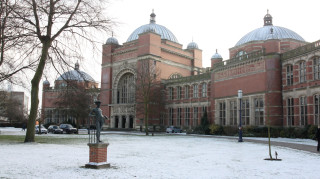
(43, 139)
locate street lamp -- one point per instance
(240, 122)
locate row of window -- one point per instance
(186, 91)
(303, 111)
(303, 71)
(245, 112)
(182, 116)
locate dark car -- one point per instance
(68, 128)
(55, 129)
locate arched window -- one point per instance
(126, 89)
(195, 91)
(186, 92)
(289, 75)
(302, 72)
(290, 112)
(303, 111)
(240, 54)
(204, 89)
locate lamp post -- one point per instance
(240, 122)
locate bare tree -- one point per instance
(75, 99)
(57, 29)
(149, 94)
(13, 45)
(11, 108)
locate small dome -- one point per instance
(153, 27)
(112, 40)
(216, 55)
(263, 33)
(46, 82)
(75, 75)
(192, 45)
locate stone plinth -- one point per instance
(98, 156)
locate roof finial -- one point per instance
(216, 50)
(267, 19)
(152, 17)
(76, 66)
(112, 33)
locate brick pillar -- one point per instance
(98, 156)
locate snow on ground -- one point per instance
(160, 156)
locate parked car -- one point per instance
(173, 129)
(55, 129)
(43, 130)
(68, 128)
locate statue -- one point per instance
(97, 113)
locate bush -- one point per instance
(216, 129)
(230, 130)
(312, 129)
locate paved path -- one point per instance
(308, 148)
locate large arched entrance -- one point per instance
(123, 100)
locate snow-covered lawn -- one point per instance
(163, 156)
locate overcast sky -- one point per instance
(211, 24)
(215, 24)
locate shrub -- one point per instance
(216, 129)
(230, 130)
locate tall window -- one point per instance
(222, 113)
(289, 75)
(195, 116)
(258, 111)
(316, 109)
(303, 111)
(126, 90)
(171, 116)
(179, 117)
(290, 112)
(187, 117)
(316, 68)
(204, 109)
(204, 89)
(179, 91)
(245, 112)
(195, 91)
(302, 72)
(170, 93)
(233, 113)
(186, 92)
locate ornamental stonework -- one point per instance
(246, 69)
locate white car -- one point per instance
(173, 129)
(43, 130)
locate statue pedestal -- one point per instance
(98, 156)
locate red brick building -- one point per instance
(57, 113)
(277, 70)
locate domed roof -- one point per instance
(192, 45)
(263, 33)
(76, 75)
(112, 40)
(46, 82)
(153, 27)
(216, 55)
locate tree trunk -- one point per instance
(35, 92)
